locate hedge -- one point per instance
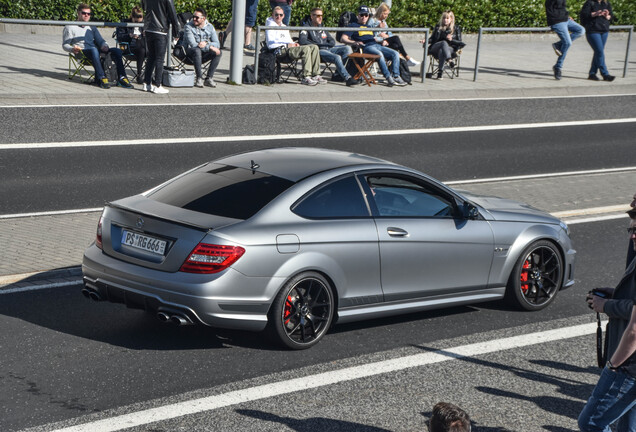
(471, 14)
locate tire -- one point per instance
(536, 277)
(302, 311)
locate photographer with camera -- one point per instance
(614, 398)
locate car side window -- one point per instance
(339, 199)
(397, 196)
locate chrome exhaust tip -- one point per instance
(94, 296)
(163, 317)
(178, 320)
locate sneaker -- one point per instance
(399, 81)
(440, 75)
(390, 81)
(593, 77)
(123, 82)
(149, 88)
(319, 79)
(337, 78)
(557, 48)
(210, 82)
(608, 78)
(159, 90)
(249, 47)
(222, 39)
(308, 81)
(103, 83)
(351, 82)
(140, 79)
(412, 62)
(199, 82)
(557, 72)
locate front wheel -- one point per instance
(302, 311)
(536, 278)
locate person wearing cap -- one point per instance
(365, 39)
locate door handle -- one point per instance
(396, 232)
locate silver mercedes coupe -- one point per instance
(293, 240)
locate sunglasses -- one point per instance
(631, 231)
(86, 13)
(279, 14)
(363, 14)
(197, 17)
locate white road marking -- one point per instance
(192, 140)
(538, 176)
(51, 213)
(318, 102)
(171, 411)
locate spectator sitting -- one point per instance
(445, 41)
(326, 45)
(88, 41)
(202, 44)
(282, 42)
(135, 39)
(381, 14)
(447, 417)
(365, 39)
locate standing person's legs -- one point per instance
(561, 29)
(156, 53)
(251, 12)
(613, 397)
(597, 42)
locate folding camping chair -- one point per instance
(77, 64)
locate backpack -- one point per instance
(345, 19)
(267, 68)
(405, 73)
(248, 74)
(110, 70)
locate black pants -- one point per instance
(156, 54)
(138, 49)
(199, 57)
(396, 44)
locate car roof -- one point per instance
(296, 163)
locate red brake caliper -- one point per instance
(524, 276)
(288, 309)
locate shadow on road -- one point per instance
(314, 424)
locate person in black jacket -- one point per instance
(445, 40)
(327, 45)
(596, 16)
(160, 14)
(560, 22)
(133, 37)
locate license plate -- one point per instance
(143, 242)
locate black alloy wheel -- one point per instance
(302, 311)
(537, 276)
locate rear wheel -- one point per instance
(302, 311)
(536, 277)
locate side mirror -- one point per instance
(470, 211)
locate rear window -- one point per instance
(222, 190)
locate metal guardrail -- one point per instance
(64, 23)
(343, 29)
(546, 29)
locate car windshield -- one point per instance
(222, 190)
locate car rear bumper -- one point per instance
(220, 302)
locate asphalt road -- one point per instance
(62, 357)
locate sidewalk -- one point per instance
(33, 70)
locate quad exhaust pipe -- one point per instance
(173, 318)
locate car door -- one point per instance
(427, 248)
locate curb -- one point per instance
(35, 278)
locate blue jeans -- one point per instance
(613, 398)
(287, 10)
(337, 55)
(115, 53)
(597, 42)
(388, 54)
(563, 30)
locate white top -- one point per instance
(277, 38)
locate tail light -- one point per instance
(208, 258)
(98, 236)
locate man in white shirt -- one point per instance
(281, 41)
